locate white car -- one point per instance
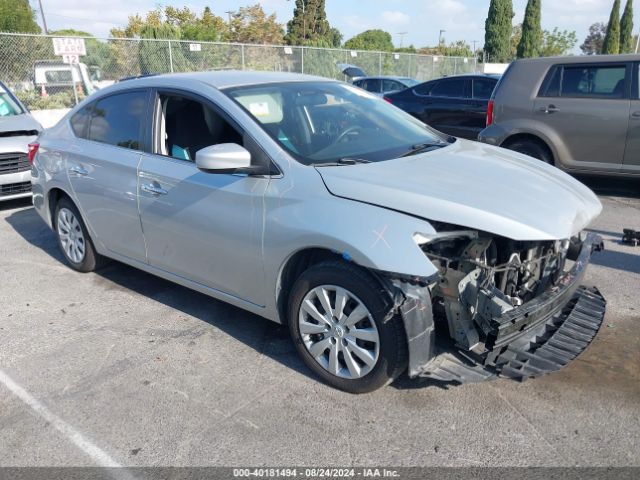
(17, 129)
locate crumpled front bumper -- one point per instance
(538, 337)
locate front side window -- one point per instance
(372, 85)
(327, 122)
(455, 88)
(593, 81)
(118, 119)
(187, 125)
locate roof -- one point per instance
(583, 59)
(231, 78)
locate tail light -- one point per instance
(33, 149)
(490, 113)
(388, 100)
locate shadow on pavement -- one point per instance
(612, 186)
(264, 336)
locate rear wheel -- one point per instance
(74, 239)
(342, 325)
(532, 148)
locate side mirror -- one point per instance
(224, 158)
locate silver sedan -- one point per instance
(383, 244)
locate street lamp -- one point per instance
(440, 37)
(402, 34)
(304, 21)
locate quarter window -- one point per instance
(483, 88)
(373, 85)
(391, 86)
(424, 88)
(596, 81)
(118, 120)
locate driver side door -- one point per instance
(203, 227)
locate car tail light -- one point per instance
(33, 149)
(490, 113)
(388, 100)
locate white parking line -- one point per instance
(99, 456)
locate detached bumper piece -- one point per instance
(565, 336)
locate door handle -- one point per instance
(635, 114)
(153, 189)
(78, 171)
(549, 109)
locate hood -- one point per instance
(475, 186)
(351, 71)
(22, 122)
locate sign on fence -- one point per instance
(69, 46)
(71, 59)
(195, 47)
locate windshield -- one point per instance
(329, 122)
(8, 106)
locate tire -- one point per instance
(73, 238)
(533, 149)
(359, 353)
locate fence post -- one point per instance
(170, 57)
(302, 59)
(242, 54)
(380, 63)
(455, 65)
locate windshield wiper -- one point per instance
(424, 147)
(342, 162)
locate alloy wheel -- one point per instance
(338, 331)
(71, 236)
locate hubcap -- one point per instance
(71, 237)
(339, 332)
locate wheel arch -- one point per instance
(54, 196)
(522, 136)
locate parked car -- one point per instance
(454, 105)
(385, 84)
(379, 85)
(17, 129)
(381, 243)
(581, 114)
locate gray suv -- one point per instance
(581, 114)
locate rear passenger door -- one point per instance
(482, 90)
(447, 107)
(587, 107)
(102, 168)
(631, 162)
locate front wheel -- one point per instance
(343, 326)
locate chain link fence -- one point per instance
(29, 67)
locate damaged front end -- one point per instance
(499, 306)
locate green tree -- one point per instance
(516, 36)
(377, 40)
(592, 44)
(498, 31)
(531, 41)
(17, 16)
(252, 25)
(611, 43)
(626, 29)
(309, 25)
(157, 56)
(558, 42)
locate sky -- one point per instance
(421, 19)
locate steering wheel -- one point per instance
(348, 132)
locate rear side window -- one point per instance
(483, 88)
(597, 81)
(118, 120)
(391, 85)
(455, 88)
(80, 122)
